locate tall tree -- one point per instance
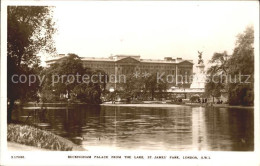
(133, 86)
(234, 73)
(29, 31)
(214, 84)
(241, 66)
(68, 76)
(153, 85)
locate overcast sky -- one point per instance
(153, 30)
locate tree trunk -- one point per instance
(10, 110)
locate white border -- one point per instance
(61, 158)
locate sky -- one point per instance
(153, 30)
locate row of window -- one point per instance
(112, 66)
(158, 67)
(128, 70)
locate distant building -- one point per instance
(129, 64)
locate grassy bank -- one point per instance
(161, 105)
(219, 105)
(28, 135)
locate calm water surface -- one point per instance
(139, 128)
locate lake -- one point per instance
(176, 128)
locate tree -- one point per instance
(29, 31)
(241, 63)
(143, 86)
(216, 82)
(103, 79)
(66, 77)
(220, 61)
(69, 67)
(194, 98)
(234, 73)
(214, 85)
(88, 93)
(153, 85)
(133, 86)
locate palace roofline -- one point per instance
(116, 58)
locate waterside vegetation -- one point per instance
(31, 136)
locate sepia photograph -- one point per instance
(94, 78)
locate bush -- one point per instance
(49, 96)
(32, 136)
(194, 98)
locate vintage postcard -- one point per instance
(129, 82)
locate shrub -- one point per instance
(32, 136)
(194, 98)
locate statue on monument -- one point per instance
(200, 58)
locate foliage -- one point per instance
(194, 98)
(67, 78)
(234, 73)
(58, 75)
(31, 136)
(49, 96)
(88, 93)
(29, 31)
(132, 87)
(143, 86)
(214, 83)
(103, 79)
(153, 85)
(242, 63)
(18, 90)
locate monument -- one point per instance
(200, 75)
(198, 82)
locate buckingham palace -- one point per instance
(129, 64)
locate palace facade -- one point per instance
(129, 64)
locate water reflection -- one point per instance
(133, 128)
